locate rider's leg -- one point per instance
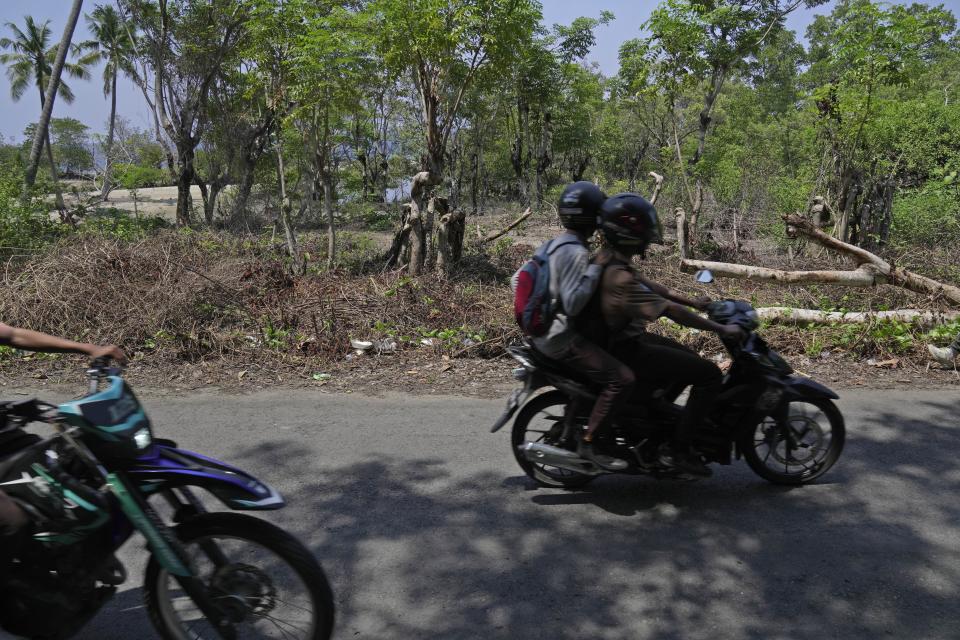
(660, 361)
(12, 523)
(616, 381)
(12, 517)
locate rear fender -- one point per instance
(167, 467)
(531, 382)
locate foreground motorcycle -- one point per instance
(786, 426)
(213, 575)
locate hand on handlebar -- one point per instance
(732, 332)
(701, 303)
(104, 353)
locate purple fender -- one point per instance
(166, 467)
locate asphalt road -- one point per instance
(427, 528)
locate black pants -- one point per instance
(660, 363)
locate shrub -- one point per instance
(927, 216)
(133, 176)
(24, 226)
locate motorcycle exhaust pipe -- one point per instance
(551, 456)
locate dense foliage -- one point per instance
(298, 111)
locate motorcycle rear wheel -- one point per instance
(816, 438)
(536, 419)
(247, 587)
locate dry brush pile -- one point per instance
(176, 297)
(229, 301)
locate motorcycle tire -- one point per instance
(240, 527)
(761, 464)
(559, 478)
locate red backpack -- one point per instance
(533, 308)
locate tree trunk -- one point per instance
(331, 226)
(450, 234)
(239, 209)
(474, 180)
(52, 87)
(210, 195)
(297, 266)
(683, 245)
(417, 240)
(401, 240)
(544, 156)
(185, 178)
(57, 191)
(108, 169)
(518, 155)
(696, 205)
(420, 188)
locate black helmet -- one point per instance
(580, 205)
(630, 223)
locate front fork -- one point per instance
(169, 552)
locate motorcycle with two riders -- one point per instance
(786, 426)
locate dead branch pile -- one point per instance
(185, 298)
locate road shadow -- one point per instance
(416, 549)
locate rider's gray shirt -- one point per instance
(573, 281)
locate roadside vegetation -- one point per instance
(333, 170)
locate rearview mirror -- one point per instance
(704, 276)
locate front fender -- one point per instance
(167, 467)
(799, 387)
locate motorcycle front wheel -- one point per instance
(264, 579)
(801, 450)
(541, 420)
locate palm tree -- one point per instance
(112, 45)
(30, 61)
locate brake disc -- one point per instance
(805, 450)
(247, 586)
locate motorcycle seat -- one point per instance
(550, 367)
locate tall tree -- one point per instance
(700, 44)
(113, 45)
(186, 44)
(861, 54)
(31, 60)
(444, 45)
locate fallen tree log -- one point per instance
(493, 236)
(866, 276)
(894, 275)
(789, 315)
(872, 270)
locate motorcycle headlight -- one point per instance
(142, 438)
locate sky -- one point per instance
(93, 109)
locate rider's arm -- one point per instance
(682, 315)
(35, 341)
(576, 279)
(673, 295)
